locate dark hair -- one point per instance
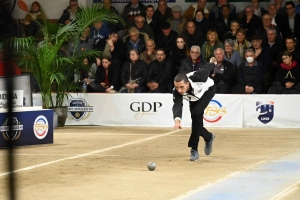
(234, 21)
(186, 49)
(241, 30)
(200, 10)
(161, 49)
(150, 6)
(290, 38)
(107, 58)
(226, 5)
(181, 77)
(286, 53)
(290, 3)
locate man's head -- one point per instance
(134, 2)
(160, 55)
(290, 8)
(234, 25)
(73, 4)
(113, 36)
(249, 55)
(150, 45)
(278, 2)
(249, 11)
(181, 83)
(272, 9)
(287, 58)
(98, 25)
(225, 10)
(199, 14)
(191, 27)
(219, 55)
(290, 44)
(162, 6)
(139, 21)
(195, 52)
(149, 11)
(256, 41)
(166, 28)
(107, 4)
(133, 34)
(222, 2)
(255, 3)
(271, 34)
(201, 4)
(176, 11)
(266, 19)
(134, 55)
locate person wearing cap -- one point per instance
(178, 23)
(261, 53)
(190, 13)
(163, 12)
(215, 11)
(166, 38)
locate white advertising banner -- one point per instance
(17, 98)
(272, 111)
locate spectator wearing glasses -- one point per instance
(193, 63)
(262, 30)
(69, 13)
(291, 22)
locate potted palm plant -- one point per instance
(48, 66)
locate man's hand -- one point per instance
(213, 60)
(249, 89)
(177, 124)
(154, 85)
(103, 85)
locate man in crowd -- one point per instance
(178, 23)
(290, 44)
(163, 12)
(136, 40)
(190, 12)
(250, 22)
(166, 38)
(192, 36)
(216, 12)
(262, 30)
(152, 20)
(131, 10)
(291, 22)
(192, 63)
(143, 27)
(69, 13)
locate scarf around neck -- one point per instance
(288, 67)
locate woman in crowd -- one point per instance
(201, 22)
(106, 77)
(232, 55)
(33, 17)
(84, 43)
(212, 43)
(241, 44)
(287, 80)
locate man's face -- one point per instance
(114, 37)
(176, 15)
(272, 10)
(256, 44)
(222, 2)
(107, 4)
(166, 31)
(290, 44)
(249, 12)
(195, 53)
(287, 60)
(234, 26)
(134, 37)
(133, 56)
(271, 36)
(162, 6)
(249, 54)
(182, 87)
(73, 5)
(139, 22)
(98, 25)
(191, 28)
(219, 55)
(160, 56)
(266, 19)
(254, 3)
(278, 1)
(150, 46)
(225, 12)
(290, 10)
(134, 2)
(149, 12)
(201, 4)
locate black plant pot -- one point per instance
(62, 113)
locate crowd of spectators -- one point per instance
(257, 50)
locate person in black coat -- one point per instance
(135, 40)
(134, 74)
(106, 76)
(193, 63)
(166, 38)
(192, 36)
(202, 24)
(250, 22)
(151, 20)
(291, 30)
(69, 14)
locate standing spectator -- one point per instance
(192, 36)
(258, 11)
(163, 12)
(136, 40)
(178, 23)
(166, 38)
(34, 17)
(201, 22)
(231, 34)
(69, 13)
(114, 48)
(152, 20)
(222, 72)
(98, 32)
(131, 10)
(84, 43)
(250, 74)
(150, 53)
(231, 55)
(215, 11)
(143, 27)
(193, 63)
(250, 22)
(288, 76)
(190, 13)
(291, 21)
(212, 43)
(159, 76)
(241, 44)
(134, 74)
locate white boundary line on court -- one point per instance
(286, 191)
(88, 154)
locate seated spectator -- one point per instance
(180, 52)
(276, 19)
(258, 11)
(84, 43)
(150, 53)
(232, 55)
(143, 27)
(193, 63)
(231, 34)
(166, 38)
(192, 36)
(116, 27)
(7, 65)
(210, 45)
(114, 48)
(190, 13)
(215, 11)
(291, 22)
(98, 31)
(69, 13)
(136, 40)
(134, 74)
(163, 12)
(261, 53)
(202, 24)
(178, 23)
(222, 72)
(34, 17)
(106, 77)
(133, 9)
(287, 79)
(241, 44)
(250, 22)
(88, 72)
(290, 44)
(281, 11)
(152, 21)
(250, 75)
(159, 76)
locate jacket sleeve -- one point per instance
(200, 76)
(65, 16)
(240, 75)
(177, 106)
(144, 73)
(123, 74)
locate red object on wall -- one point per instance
(22, 5)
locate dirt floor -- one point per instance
(111, 162)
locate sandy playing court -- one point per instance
(111, 163)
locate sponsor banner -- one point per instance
(16, 98)
(28, 128)
(271, 111)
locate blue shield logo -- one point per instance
(77, 108)
(16, 129)
(265, 111)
